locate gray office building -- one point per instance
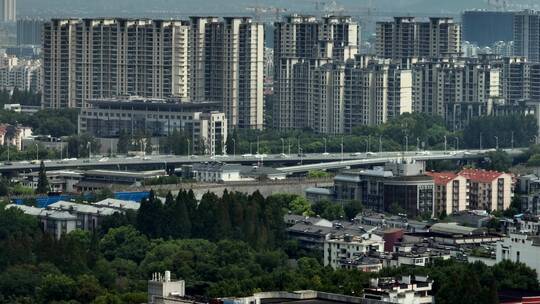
(527, 35)
(30, 31)
(485, 28)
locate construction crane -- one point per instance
(267, 14)
(498, 4)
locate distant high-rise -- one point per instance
(405, 37)
(29, 31)
(485, 28)
(209, 59)
(8, 10)
(301, 43)
(86, 59)
(227, 64)
(527, 35)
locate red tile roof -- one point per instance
(481, 176)
(442, 178)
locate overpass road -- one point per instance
(287, 163)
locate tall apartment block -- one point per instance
(527, 35)
(227, 64)
(206, 60)
(455, 89)
(29, 31)
(86, 59)
(406, 37)
(302, 42)
(8, 11)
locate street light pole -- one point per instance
(457, 143)
(445, 143)
(496, 142)
(234, 147)
(512, 140)
(325, 142)
(480, 140)
(282, 146)
(88, 144)
(380, 144)
(188, 146)
(406, 143)
(37, 152)
(342, 156)
(418, 144)
(258, 145)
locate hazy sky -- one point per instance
(142, 8)
(113, 7)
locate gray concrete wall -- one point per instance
(267, 188)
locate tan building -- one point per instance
(14, 135)
(451, 195)
(488, 190)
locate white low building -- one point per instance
(407, 290)
(54, 222)
(350, 252)
(522, 248)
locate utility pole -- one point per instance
(480, 140)
(512, 140)
(380, 144)
(342, 156)
(445, 143)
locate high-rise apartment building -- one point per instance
(456, 89)
(86, 59)
(406, 37)
(227, 64)
(29, 31)
(335, 97)
(206, 60)
(8, 11)
(527, 35)
(302, 43)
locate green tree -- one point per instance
(124, 142)
(125, 243)
(352, 208)
(499, 161)
(301, 206)
(57, 288)
(43, 181)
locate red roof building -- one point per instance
(488, 190)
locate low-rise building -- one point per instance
(59, 180)
(352, 251)
(95, 180)
(398, 185)
(522, 248)
(454, 234)
(488, 190)
(202, 121)
(163, 290)
(451, 194)
(121, 205)
(217, 172)
(405, 290)
(54, 222)
(299, 297)
(13, 135)
(88, 216)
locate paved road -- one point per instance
(314, 160)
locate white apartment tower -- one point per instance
(87, 59)
(455, 89)
(9, 10)
(405, 37)
(227, 64)
(310, 42)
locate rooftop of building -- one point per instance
(455, 228)
(135, 174)
(119, 204)
(139, 103)
(41, 212)
(319, 191)
(479, 175)
(442, 178)
(299, 297)
(82, 208)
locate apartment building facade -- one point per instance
(227, 64)
(456, 89)
(23, 75)
(526, 33)
(451, 193)
(206, 59)
(301, 44)
(488, 190)
(406, 37)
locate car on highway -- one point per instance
(247, 155)
(326, 154)
(283, 155)
(104, 159)
(8, 163)
(371, 154)
(356, 154)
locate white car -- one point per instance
(104, 159)
(326, 154)
(247, 155)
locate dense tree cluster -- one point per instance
(57, 123)
(250, 218)
(504, 129)
(27, 98)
